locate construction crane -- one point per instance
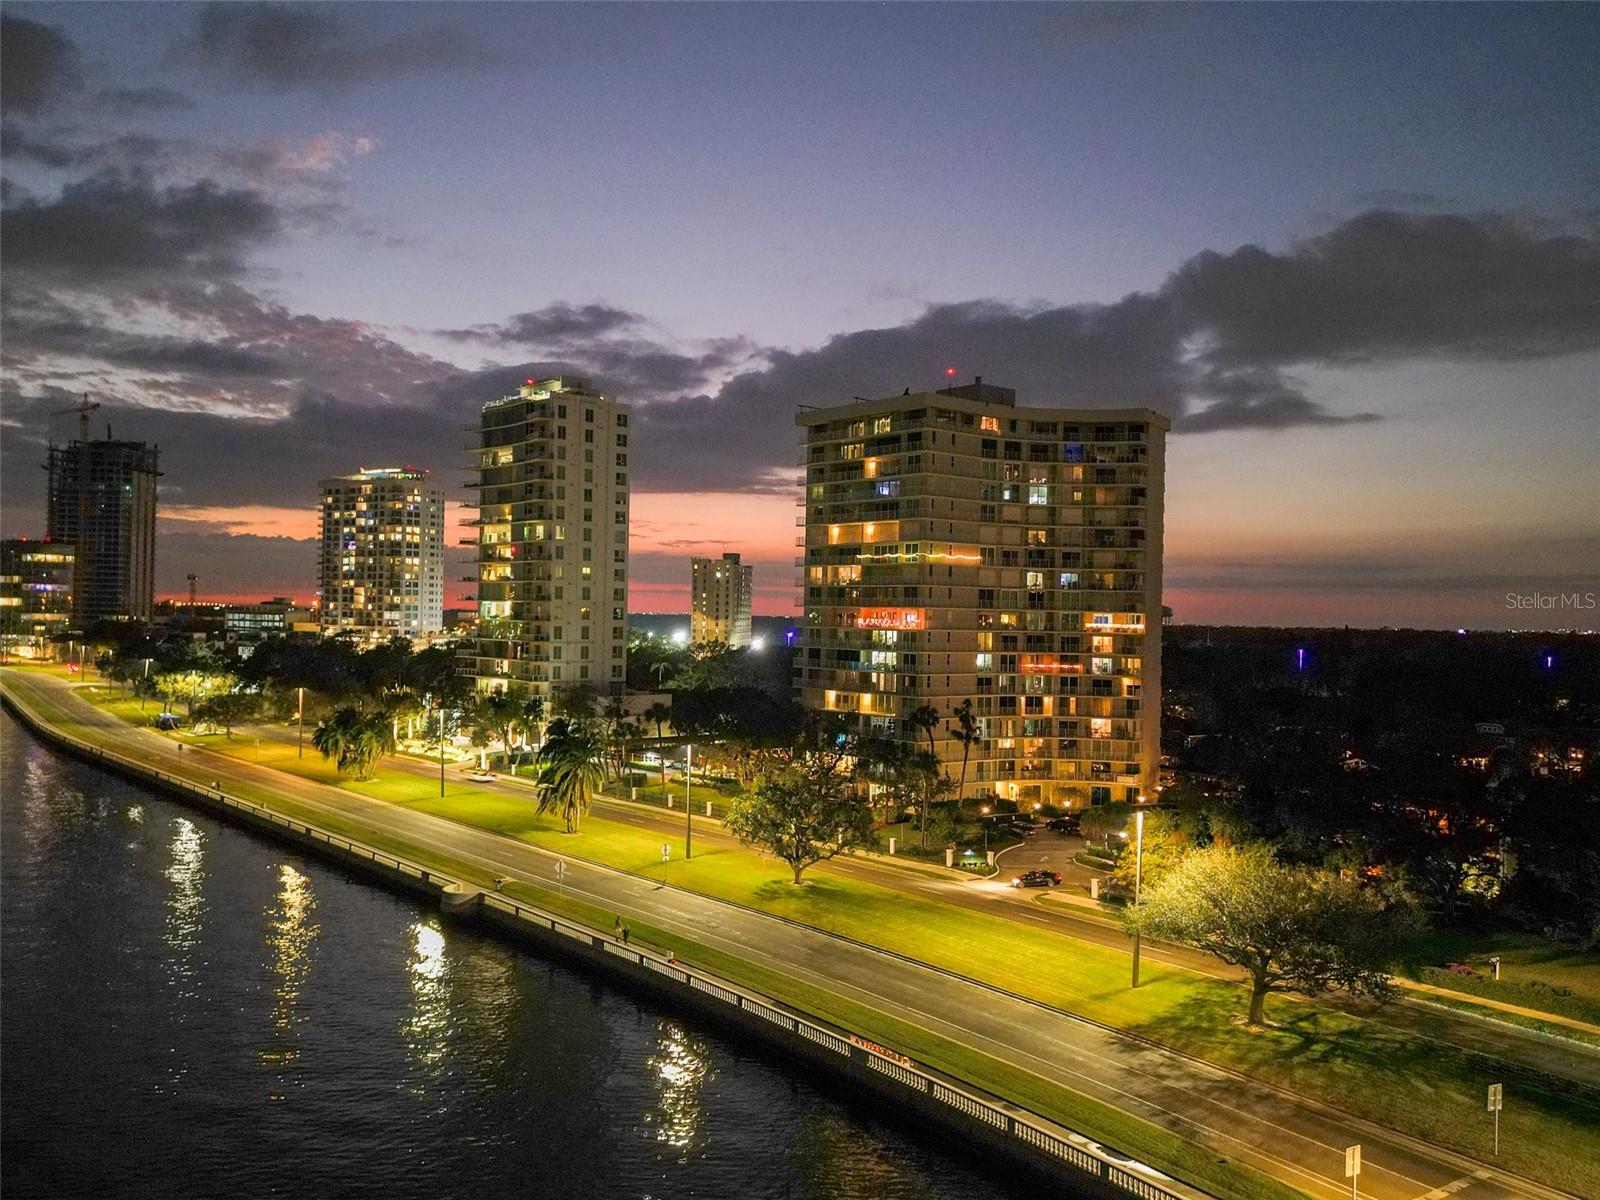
(193, 579)
(83, 408)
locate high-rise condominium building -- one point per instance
(719, 600)
(552, 467)
(382, 558)
(102, 502)
(35, 595)
(958, 548)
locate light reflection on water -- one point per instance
(681, 1072)
(291, 934)
(427, 1027)
(186, 902)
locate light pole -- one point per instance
(1138, 874)
(688, 801)
(300, 719)
(146, 684)
(441, 747)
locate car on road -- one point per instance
(1026, 826)
(168, 721)
(1037, 879)
(481, 776)
(1068, 824)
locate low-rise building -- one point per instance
(35, 595)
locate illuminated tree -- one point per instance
(804, 813)
(1291, 928)
(571, 767)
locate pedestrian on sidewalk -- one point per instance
(626, 934)
(499, 883)
(616, 929)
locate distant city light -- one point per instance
(758, 643)
(680, 637)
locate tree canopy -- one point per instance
(804, 812)
(1291, 928)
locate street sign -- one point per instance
(1496, 1094)
(666, 851)
(561, 869)
(1352, 1168)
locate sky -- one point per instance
(1353, 251)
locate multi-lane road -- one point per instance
(1291, 1138)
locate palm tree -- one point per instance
(335, 734)
(374, 738)
(965, 732)
(531, 720)
(616, 719)
(571, 770)
(659, 714)
(352, 741)
(926, 718)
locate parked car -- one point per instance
(1037, 879)
(1026, 826)
(1068, 824)
(168, 721)
(481, 776)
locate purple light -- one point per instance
(1300, 658)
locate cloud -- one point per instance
(1257, 398)
(282, 47)
(558, 322)
(142, 100)
(39, 66)
(1386, 286)
(110, 226)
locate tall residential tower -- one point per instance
(958, 548)
(552, 484)
(102, 502)
(382, 558)
(719, 600)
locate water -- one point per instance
(188, 1011)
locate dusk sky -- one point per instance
(1353, 251)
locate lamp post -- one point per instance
(688, 801)
(146, 684)
(1138, 874)
(300, 720)
(441, 747)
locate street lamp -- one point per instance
(1138, 875)
(300, 718)
(688, 801)
(441, 747)
(146, 684)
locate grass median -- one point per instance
(1550, 1127)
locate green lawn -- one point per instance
(1534, 972)
(1551, 1130)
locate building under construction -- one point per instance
(102, 502)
